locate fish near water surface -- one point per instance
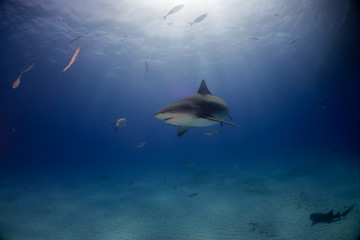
(174, 10)
(72, 60)
(198, 110)
(198, 19)
(146, 69)
(74, 40)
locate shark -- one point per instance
(198, 110)
(328, 217)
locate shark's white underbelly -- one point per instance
(188, 120)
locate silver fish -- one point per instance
(119, 123)
(199, 19)
(140, 145)
(174, 10)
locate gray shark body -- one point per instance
(329, 217)
(198, 110)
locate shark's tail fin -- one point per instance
(347, 211)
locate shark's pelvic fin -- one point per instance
(220, 121)
(203, 89)
(182, 130)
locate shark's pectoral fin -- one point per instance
(182, 130)
(220, 121)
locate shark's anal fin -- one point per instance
(220, 121)
(182, 130)
(203, 89)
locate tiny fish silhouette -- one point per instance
(17, 81)
(198, 19)
(193, 195)
(174, 10)
(146, 69)
(140, 145)
(121, 122)
(28, 68)
(74, 40)
(212, 132)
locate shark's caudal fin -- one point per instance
(203, 89)
(182, 130)
(347, 211)
(220, 121)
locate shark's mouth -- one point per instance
(167, 119)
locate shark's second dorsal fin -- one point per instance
(203, 89)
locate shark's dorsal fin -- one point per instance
(330, 213)
(182, 130)
(203, 89)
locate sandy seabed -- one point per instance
(191, 203)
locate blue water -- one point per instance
(288, 70)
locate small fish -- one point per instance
(28, 68)
(140, 145)
(119, 123)
(322, 104)
(174, 10)
(130, 183)
(74, 41)
(146, 69)
(189, 164)
(72, 60)
(13, 130)
(212, 132)
(253, 38)
(17, 81)
(193, 195)
(292, 41)
(198, 19)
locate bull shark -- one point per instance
(329, 217)
(198, 110)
